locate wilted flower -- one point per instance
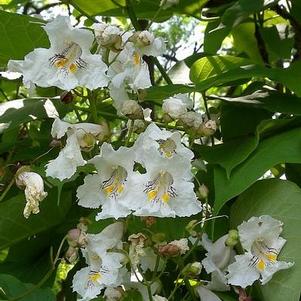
(260, 238)
(174, 248)
(68, 62)
(136, 250)
(34, 190)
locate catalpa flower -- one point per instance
(104, 267)
(34, 190)
(167, 144)
(165, 190)
(260, 238)
(68, 62)
(111, 186)
(79, 136)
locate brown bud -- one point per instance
(169, 250)
(66, 97)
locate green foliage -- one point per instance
(12, 288)
(19, 35)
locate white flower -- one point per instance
(218, 257)
(70, 157)
(177, 105)
(104, 268)
(165, 190)
(167, 144)
(260, 237)
(34, 191)
(111, 186)
(68, 62)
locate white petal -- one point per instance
(241, 272)
(88, 194)
(69, 158)
(272, 268)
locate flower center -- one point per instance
(69, 60)
(160, 189)
(262, 254)
(114, 186)
(167, 147)
(136, 58)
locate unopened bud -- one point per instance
(132, 110)
(232, 238)
(55, 143)
(174, 248)
(71, 254)
(83, 224)
(207, 128)
(66, 97)
(193, 269)
(203, 192)
(87, 142)
(190, 227)
(76, 238)
(142, 38)
(105, 134)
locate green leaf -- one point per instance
(13, 288)
(19, 35)
(229, 154)
(211, 66)
(245, 41)
(144, 9)
(281, 148)
(281, 200)
(13, 225)
(251, 6)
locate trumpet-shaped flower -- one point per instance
(165, 190)
(104, 268)
(70, 157)
(111, 186)
(68, 62)
(167, 144)
(260, 237)
(34, 191)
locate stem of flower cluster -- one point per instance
(162, 71)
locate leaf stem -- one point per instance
(7, 189)
(162, 71)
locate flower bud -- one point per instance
(56, 143)
(132, 110)
(108, 36)
(177, 105)
(207, 128)
(190, 227)
(87, 142)
(174, 248)
(71, 254)
(142, 38)
(232, 238)
(193, 269)
(203, 192)
(191, 120)
(66, 97)
(113, 294)
(105, 134)
(76, 238)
